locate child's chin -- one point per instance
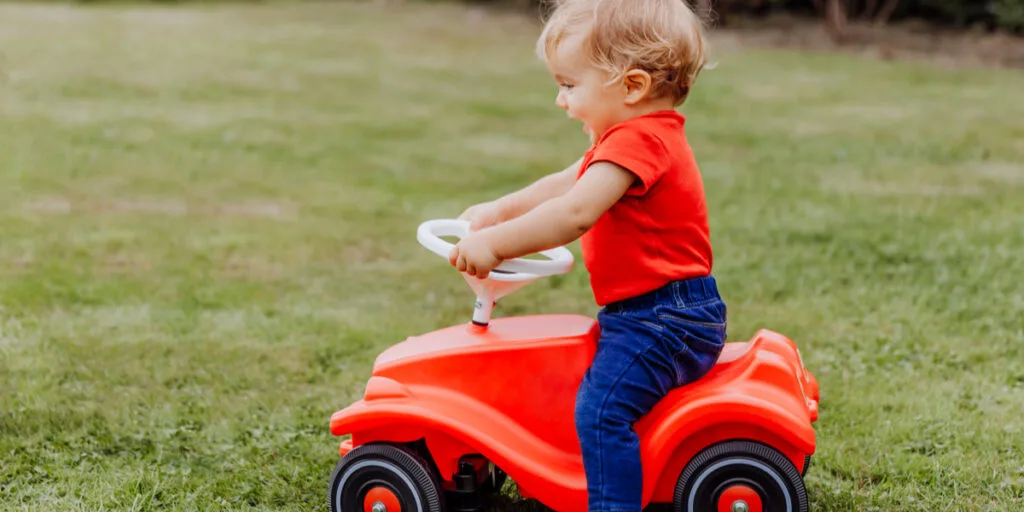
(589, 133)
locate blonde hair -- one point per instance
(662, 37)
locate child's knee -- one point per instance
(604, 417)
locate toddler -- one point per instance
(636, 200)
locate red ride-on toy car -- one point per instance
(447, 415)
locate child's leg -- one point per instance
(623, 383)
(637, 363)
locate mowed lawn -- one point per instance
(207, 220)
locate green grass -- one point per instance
(207, 223)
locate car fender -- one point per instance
(671, 439)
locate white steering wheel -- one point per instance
(559, 261)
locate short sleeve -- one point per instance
(637, 150)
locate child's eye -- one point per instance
(567, 87)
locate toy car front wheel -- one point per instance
(740, 476)
(384, 478)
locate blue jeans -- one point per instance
(649, 345)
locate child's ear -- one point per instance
(638, 84)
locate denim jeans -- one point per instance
(649, 345)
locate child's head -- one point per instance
(615, 59)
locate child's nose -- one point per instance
(560, 101)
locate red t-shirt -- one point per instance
(658, 232)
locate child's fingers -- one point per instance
(460, 263)
(453, 256)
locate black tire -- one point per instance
(740, 463)
(807, 466)
(393, 468)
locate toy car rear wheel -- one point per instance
(740, 476)
(384, 478)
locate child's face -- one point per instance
(584, 90)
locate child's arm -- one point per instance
(517, 203)
(555, 222)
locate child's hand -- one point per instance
(482, 215)
(474, 256)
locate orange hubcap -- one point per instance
(381, 499)
(739, 498)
